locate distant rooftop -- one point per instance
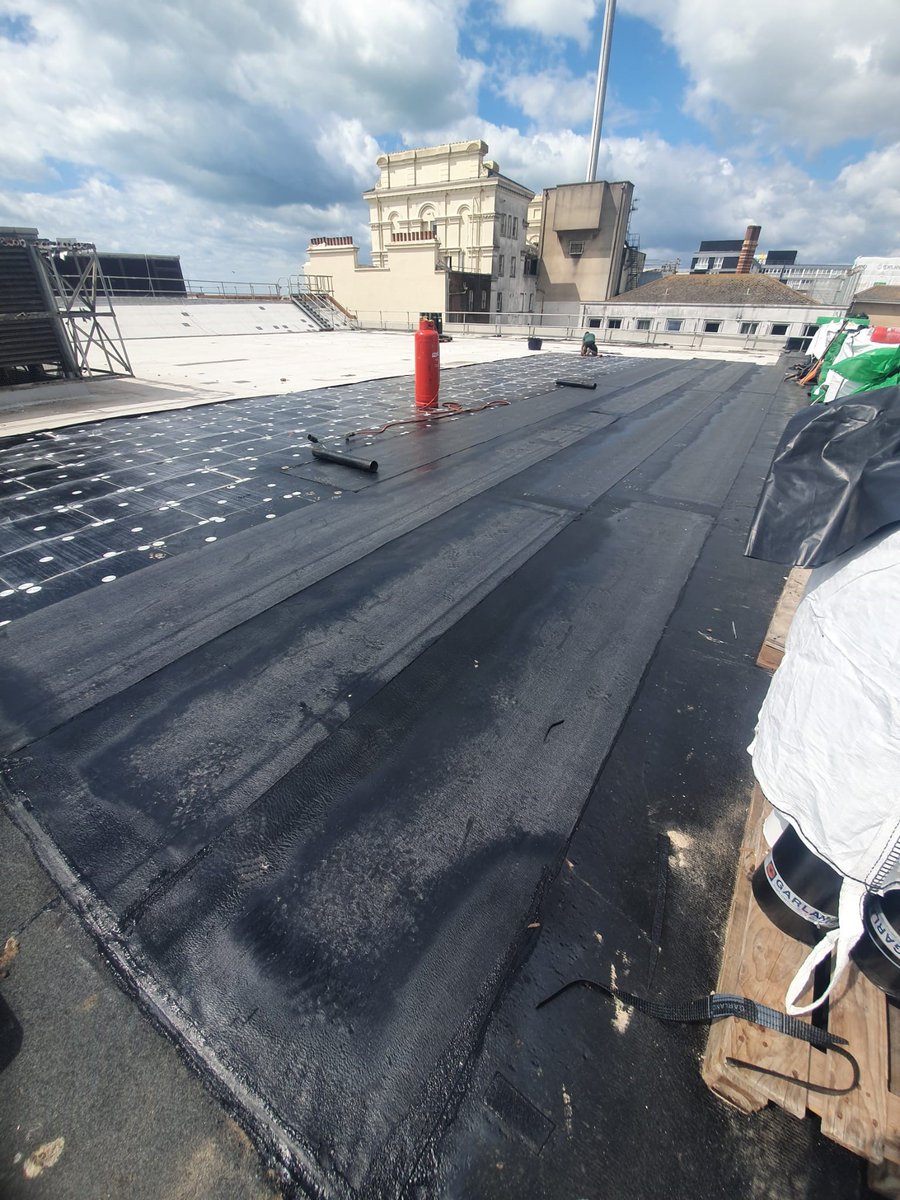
(882, 292)
(714, 289)
(722, 247)
(778, 258)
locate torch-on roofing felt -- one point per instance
(347, 785)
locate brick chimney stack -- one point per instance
(751, 241)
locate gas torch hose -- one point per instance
(449, 409)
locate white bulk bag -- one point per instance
(827, 746)
(823, 337)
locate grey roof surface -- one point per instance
(94, 502)
(753, 288)
(344, 793)
(884, 293)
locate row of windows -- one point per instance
(521, 302)
(512, 265)
(808, 274)
(470, 297)
(509, 225)
(676, 324)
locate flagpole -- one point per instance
(600, 96)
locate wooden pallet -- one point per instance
(772, 650)
(759, 961)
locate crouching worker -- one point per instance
(589, 345)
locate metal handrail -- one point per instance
(136, 287)
(562, 326)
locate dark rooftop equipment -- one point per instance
(719, 247)
(781, 258)
(56, 321)
(153, 275)
(33, 344)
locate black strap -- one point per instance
(720, 1004)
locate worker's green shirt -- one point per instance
(588, 340)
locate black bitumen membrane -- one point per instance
(345, 773)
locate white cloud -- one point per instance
(551, 98)
(536, 159)
(347, 143)
(685, 192)
(814, 72)
(230, 133)
(872, 186)
(215, 240)
(550, 18)
(231, 100)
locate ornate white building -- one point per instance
(448, 234)
(451, 234)
(477, 215)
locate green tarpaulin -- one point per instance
(876, 368)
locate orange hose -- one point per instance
(811, 374)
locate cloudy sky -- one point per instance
(229, 132)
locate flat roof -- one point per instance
(345, 772)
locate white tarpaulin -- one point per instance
(859, 341)
(823, 338)
(827, 746)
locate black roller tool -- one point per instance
(345, 460)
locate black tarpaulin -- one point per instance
(834, 480)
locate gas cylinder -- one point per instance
(428, 364)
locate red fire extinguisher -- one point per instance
(428, 364)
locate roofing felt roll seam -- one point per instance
(161, 632)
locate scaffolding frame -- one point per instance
(85, 309)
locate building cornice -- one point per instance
(451, 185)
(447, 150)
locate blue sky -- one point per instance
(229, 133)
(640, 53)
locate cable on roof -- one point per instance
(449, 409)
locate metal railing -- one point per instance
(317, 284)
(140, 287)
(569, 326)
(236, 290)
(314, 292)
(487, 323)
